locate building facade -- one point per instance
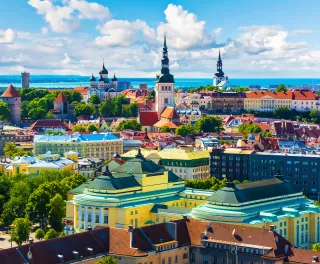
(90, 145)
(227, 102)
(233, 164)
(4, 138)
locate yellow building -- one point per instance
(184, 163)
(135, 193)
(88, 146)
(34, 165)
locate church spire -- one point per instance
(165, 59)
(219, 63)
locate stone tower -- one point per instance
(13, 99)
(61, 104)
(25, 80)
(164, 84)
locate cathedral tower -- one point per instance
(219, 75)
(164, 84)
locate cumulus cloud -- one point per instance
(44, 30)
(123, 33)
(263, 62)
(184, 29)
(65, 18)
(66, 60)
(7, 36)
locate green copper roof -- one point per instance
(249, 192)
(112, 183)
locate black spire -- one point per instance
(165, 59)
(219, 72)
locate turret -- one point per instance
(92, 80)
(115, 81)
(13, 99)
(103, 72)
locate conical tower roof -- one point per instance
(61, 98)
(92, 79)
(10, 92)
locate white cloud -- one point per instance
(301, 32)
(217, 31)
(44, 30)
(123, 33)
(175, 66)
(85, 61)
(263, 62)
(66, 17)
(7, 36)
(184, 30)
(66, 60)
(275, 69)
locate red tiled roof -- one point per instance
(83, 90)
(10, 92)
(61, 98)
(162, 123)
(261, 94)
(47, 123)
(148, 118)
(169, 113)
(303, 95)
(297, 255)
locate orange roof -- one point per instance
(83, 90)
(61, 98)
(261, 94)
(169, 113)
(11, 92)
(303, 95)
(162, 123)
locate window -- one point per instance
(97, 218)
(136, 222)
(105, 219)
(185, 255)
(193, 256)
(176, 259)
(163, 260)
(205, 258)
(166, 100)
(169, 260)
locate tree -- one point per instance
(105, 108)
(49, 115)
(91, 128)
(266, 134)
(11, 150)
(37, 113)
(282, 112)
(129, 124)
(315, 116)
(78, 128)
(84, 109)
(57, 210)
(249, 128)
(5, 112)
(281, 88)
(39, 234)
(51, 234)
(208, 124)
(316, 247)
(94, 99)
(185, 130)
(107, 260)
(53, 132)
(21, 230)
(165, 129)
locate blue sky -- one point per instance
(256, 38)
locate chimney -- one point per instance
(172, 229)
(315, 259)
(130, 228)
(286, 249)
(276, 238)
(271, 228)
(90, 251)
(185, 217)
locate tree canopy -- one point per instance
(5, 112)
(165, 129)
(20, 231)
(94, 99)
(129, 124)
(249, 128)
(84, 109)
(118, 107)
(11, 150)
(281, 88)
(184, 130)
(208, 124)
(108, 260)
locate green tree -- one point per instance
(78, 128)
(281, 88)
(91, 128)
(84, 109)
(108, 260)
(20, 231)
(185, 130)
(53, 132)
(316, 247)
(208, 124)
(249, 128)
(5, 112)
(129, 124)
(266, 134)
(11, 150)
(315, 116)
(165, 129)
(72, 182)
(49, 115)
(51, 234)
(282, 112)
(105, 108)
(94, 99)
(57, 210)
(39, 234)
(37, 113)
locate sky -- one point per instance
(257, 39)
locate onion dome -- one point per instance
(103, 70)
(92, 79)
(114, 79)
(101, 78)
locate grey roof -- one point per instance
(249, 192)
(162, 208)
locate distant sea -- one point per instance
(71, 81)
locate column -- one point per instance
(101, 216)
(79, 217)
(93, 217)
(85, 224)
(75, 216)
